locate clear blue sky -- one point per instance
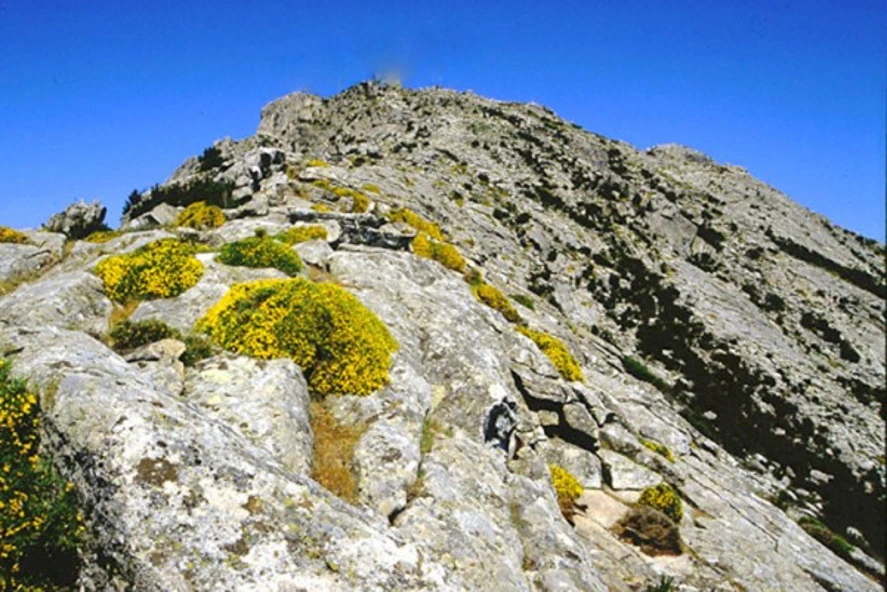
(98, 97)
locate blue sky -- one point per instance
(98, 97)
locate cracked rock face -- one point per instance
(731, 345)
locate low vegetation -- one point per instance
(102, 236)
(40, 525)
(421, 225)
(161, 269)
(495, 299)
(300, 234)
(341, 345)
(557, 353)
(8, 235)
(179, 194)
(651, 530)
(664, 499)
(524, 300)
(439, 251)
(827, 537)
(568, 490)
(130, 335)
(658, 448)
(261, 252)
(640, 371)
(334, 444)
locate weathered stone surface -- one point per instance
(74, 300)
(621, 473)
(266, 400)
(160, 361)
(78, 220)
(22, 260)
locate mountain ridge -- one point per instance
(710, 314)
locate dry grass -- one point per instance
(121, 313)
(333, 452)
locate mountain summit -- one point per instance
(420, 339)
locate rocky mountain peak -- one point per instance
(609, 368)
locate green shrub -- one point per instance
(524, 300)
(161, 269)
(341, 345)
(658, 448)
(200, 216)
(197, 348)
(827, 537)
(493, 298)
(8, 235)
(40, 526)
(130, 335)
(567, 488)
(640, 371)
(663, 498)
(300, 234)
(651, 530)
(261, 252)
(556, 352)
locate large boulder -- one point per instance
(78, 220)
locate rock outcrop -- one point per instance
(79, 220)
(731, 345)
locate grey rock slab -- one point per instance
(266, 400)
(74, 300)
(177, 499)
(160, 361)
(621, 473)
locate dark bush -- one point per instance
(651, 530)
(130, 335)
(639, 370)
(211, 159)
(179, 194)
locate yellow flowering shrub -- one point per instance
(200, 215)
(360, 201)
(316, 163)
(495, 299)
(102, 236)
(567, 488)
(446, 254)
(261, 252)
(8, 235)
(38, 511)
(162, 269)
(417, 222)
(300, 234)
(663, 498)
(372, 188)
(321, 208)
(556, 352)
(341, 345)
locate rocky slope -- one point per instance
(713, 319)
